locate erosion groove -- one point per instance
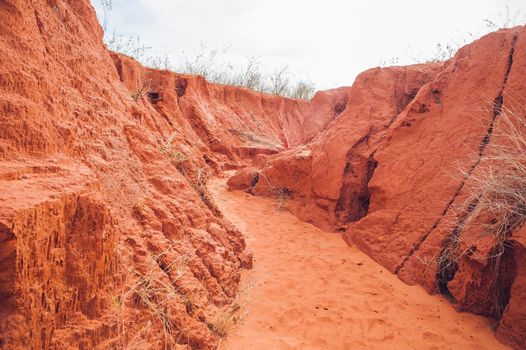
(448, 266)
(417, 245)
(371, 173)
(354, 199)
(496, 111)
(353, 202)
(351, 205)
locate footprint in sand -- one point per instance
(310, 300)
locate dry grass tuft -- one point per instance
(280, 192)
(495, 205)
(139, 208)
(200, 185)
(143, 88)
(224, 321)
(157, 292)
(497, 198)
(174, 153)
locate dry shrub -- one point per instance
(223, 323)
(133, 46)
(197, 177)
(212, 65)
(281, 193)
(107, 6)
(144, 87)
(155, 291)
(497, 197)
(225, 320)
(508, 19)
(172, 152)
(495, 204)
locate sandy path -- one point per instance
(309, 290)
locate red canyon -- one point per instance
(110, 236)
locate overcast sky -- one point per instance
(328, 41)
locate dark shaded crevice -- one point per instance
(154, 97)
(180, 86)
(372, 164)
(489, 294)
(340, 107)
(406, 99)
(5, 233)
(40, 26)
(354, 199)
(448, 261)
(118, 66)
(8, 267)
(497, 276)
(437, 95)
(353, 202)
(255, 180)
(503, 275)
(497, 110)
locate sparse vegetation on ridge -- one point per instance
(509, 19)
(211, 65)
(445, 50)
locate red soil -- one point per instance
(309, 290)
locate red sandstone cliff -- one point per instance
(110, 238)
(108, 234)
(386, 173)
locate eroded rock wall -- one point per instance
(329, 176)
(234, 123)
(109, 238)
(394, 169)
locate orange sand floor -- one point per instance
(310, 290)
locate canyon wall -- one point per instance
(394, 167)
(109, 238)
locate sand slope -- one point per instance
(310, 290)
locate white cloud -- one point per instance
(331, 41)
